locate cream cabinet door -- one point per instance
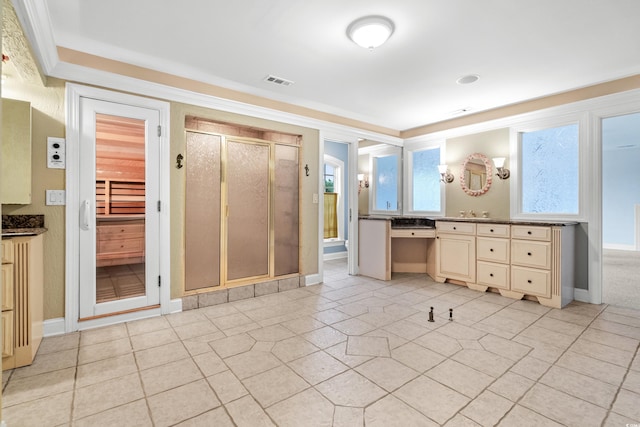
(7, 333)
(16, 152)
(374, 256)
(456, 257)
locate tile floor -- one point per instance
(350, 352)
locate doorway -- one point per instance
(620, 210)
(116, 226)
(335, 223)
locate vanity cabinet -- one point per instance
(518, 260)
(456, 251)
(22, 321)
(531, 254)
(15, 173)
(493, 255)
(7, 298)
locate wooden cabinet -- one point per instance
(494, 253)
(518, 260)
(7, 298)
(120, 242)
(23, 324)
(15, 173)
(531, 253)
(456, 251)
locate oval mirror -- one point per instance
(475, 178)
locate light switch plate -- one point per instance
(55, 197)
(56, 153)
(315, 197)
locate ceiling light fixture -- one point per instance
(370, 31)
(465, 80)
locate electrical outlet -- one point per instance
(56, 153)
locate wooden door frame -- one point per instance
(72, 278)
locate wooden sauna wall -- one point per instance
(120, 166)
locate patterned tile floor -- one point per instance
(350, 352)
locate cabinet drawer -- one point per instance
(456, 227)
(7, 287)
(494, 275)
(7, 333)
(121, 245)
(494, 250)
(418, 233)
(494, 230)
(531, 281)
(531, 254)
(115, 229)
(531, 233)
(7, 252)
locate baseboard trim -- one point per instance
(582, 295)
(335, 255)
(175, 305)
(312, 279)
(53, 327)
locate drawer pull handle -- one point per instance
(529, 233)
(529, 253)
(454, 228)
(528, 281)
(413, 234)
(490, 274)
(491, 250)
(122, 230)
(491, 230)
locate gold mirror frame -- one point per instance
(489, 172)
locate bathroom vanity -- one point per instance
(518, 259)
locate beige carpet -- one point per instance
(621, 278)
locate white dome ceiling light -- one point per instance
(371, 31)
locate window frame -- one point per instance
(375, 153)
(338, 177)
(516, 186)
(407, 196)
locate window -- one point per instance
(385, 180)
(423, 183)
(333, 199)
(550, 171)
(329, 178)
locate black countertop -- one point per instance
(541, 223)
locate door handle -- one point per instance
(84, 215)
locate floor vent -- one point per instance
(278, 80)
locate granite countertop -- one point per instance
(16, 232)
(22, 225)
(478, 220)
(481, 220)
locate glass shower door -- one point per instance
(248, 213)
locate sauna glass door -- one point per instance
(119, 218)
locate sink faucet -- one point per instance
(472, 214)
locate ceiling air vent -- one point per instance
(278, 80)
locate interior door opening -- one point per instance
(620, 210)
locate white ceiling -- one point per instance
(520, 49)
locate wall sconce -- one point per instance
(445, 175)
(503, 173)
(364, 181)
